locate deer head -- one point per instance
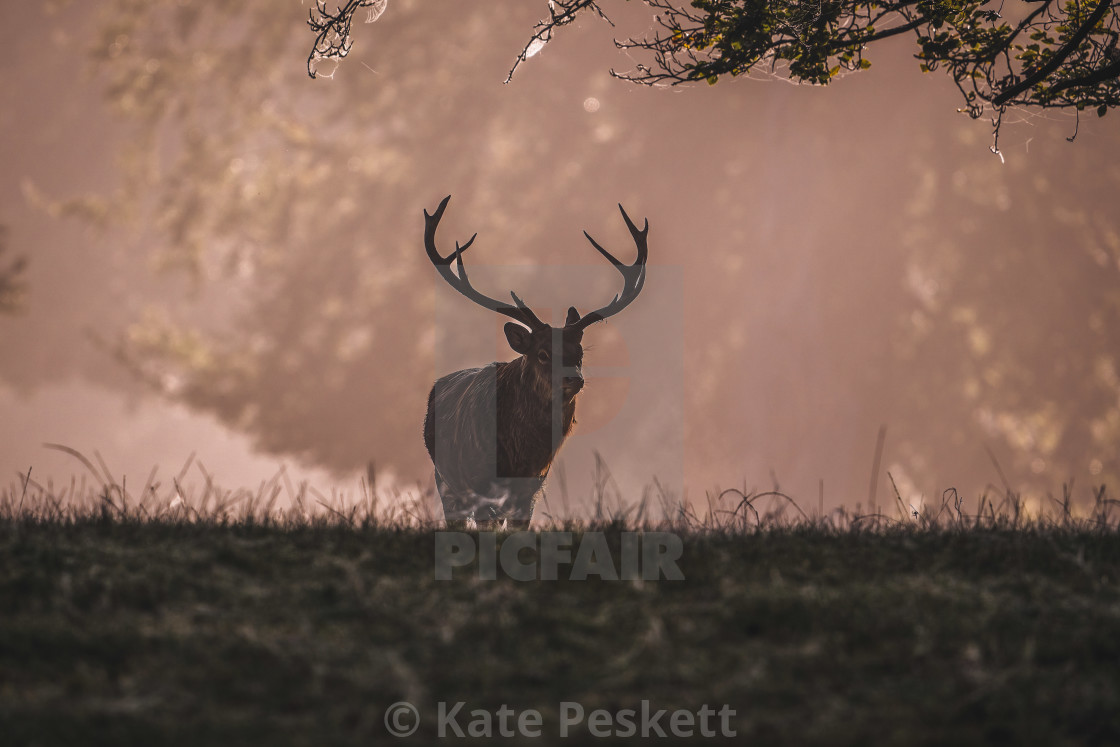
(554, 354)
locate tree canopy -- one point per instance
(1038, 53)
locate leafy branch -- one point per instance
(1033, 53)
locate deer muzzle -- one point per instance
(573, 384)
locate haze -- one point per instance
(226, 257)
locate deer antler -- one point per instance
(518, 312)
(634, 276)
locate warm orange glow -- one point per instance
(226, 257)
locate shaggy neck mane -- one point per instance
(525, 418)
(517, 378)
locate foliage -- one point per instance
(1057, 55)
(1042, 53)
(296, 210)
(1017, 317)
(12, 288)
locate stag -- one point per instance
(493, 432)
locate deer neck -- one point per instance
(521, 392)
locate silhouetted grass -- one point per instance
(225, 619)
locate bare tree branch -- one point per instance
(332, 40)
(561, 13)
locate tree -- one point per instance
(1042, 54)
(293, 210)
(11, 283)
(1014, 323)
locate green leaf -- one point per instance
(864, 64)
(1102, 110)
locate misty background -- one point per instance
(225, 257)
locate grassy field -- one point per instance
(126, 626)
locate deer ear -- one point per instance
(518, 337)
(573, 316)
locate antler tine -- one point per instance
(610, 257)
(639, 236)
(430, 223)
(521, 304)
(460, 282)
(458, 257)
(634, 276)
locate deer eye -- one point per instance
(542, 356)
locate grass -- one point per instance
(126, 621)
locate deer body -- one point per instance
(492, 432)
(496, 439)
